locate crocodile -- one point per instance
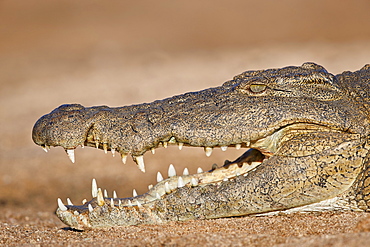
(305, 132)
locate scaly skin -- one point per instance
(308, 131)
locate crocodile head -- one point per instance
(274, 113)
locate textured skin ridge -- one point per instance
(308, 131)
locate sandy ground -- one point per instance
(345, 229)
(94, 54)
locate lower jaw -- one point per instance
(78, 217)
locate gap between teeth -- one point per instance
(140, 159)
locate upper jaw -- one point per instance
(85, 132)
(115, 130)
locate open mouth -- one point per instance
(258, 151)
(279, 142)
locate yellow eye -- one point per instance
(257, 88)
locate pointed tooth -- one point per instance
(124, 158)
(82, 145)
(114, 194)
(225, 179)
(150, 186)
(76, 213)
(180, 183)
(111, 202)
(185, 172)
(44, 148)
(61, 205)
(194, 182)
(97, 144)
(90, 208)
(119, 203)
(224, 148)
(138, 203)
(105, 193)
(129, 203)
(152, 150)
(157, 196)
(159, 177)
(171, 171)
(238, 146)
(94, 188)
(71, 154)
(167, 187)
(105, 148)
(84, 201)
(113, 151)
(134, 193)
(140, 162)
(199, 170)
(69, 202)
(100, 198)
(165, 144)
(237, 174)
(208, 151)
(181, 145)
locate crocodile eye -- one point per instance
(257, 88)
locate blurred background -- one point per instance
(127, 52)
